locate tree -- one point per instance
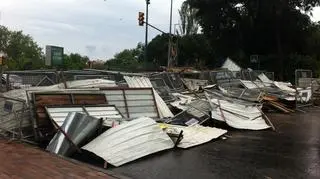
(22, 51)
(128, 59)
(75, 61)
(194, 50)
(240, 28)
(188, 22)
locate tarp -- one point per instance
(130, 141)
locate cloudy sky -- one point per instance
(96, 28)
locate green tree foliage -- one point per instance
(240, 28)
(193, 50)
(188, 21)
(129, 60)
(22, 51)
(75, 61)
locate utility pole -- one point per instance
(170, 33)
(146, 38)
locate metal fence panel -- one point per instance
(303, 78)
(25, 79)
(15, 119)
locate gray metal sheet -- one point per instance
(78, 127)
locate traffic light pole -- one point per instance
(155, 28)
(146, 38)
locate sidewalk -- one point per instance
(24, 162)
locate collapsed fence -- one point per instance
(15, 119)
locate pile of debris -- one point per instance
(142, 115)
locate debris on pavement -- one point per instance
(136, 115)
(130, 141)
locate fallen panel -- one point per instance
(79, 128)
(130, 141)
(41, 100)
(194, 112)
(238, 116)
(91, 83)
(109, 114)
(143, 82)
(162, 88)
(285, 87)
(172, 80)
(194, 135)
(133, 103)
(230, 65)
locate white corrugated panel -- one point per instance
(239, 116)
(143, 82)
(130, 141)
(230, 65)
(138, 102)
(107, 113)
(91, 83)
(249, 84)
(284, 87)
(195, 135)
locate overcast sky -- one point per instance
(96, 28)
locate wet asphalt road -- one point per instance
(291, 152)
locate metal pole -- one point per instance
(146, 39)
(170, 32)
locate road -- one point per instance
(291, 152)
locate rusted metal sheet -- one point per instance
(41, 100)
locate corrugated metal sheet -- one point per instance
(143, 82)
(194, 135)
(40, 100)
(91, 83)
(128, 142)
(79, 128)
(238, 116)
(193, 109)
(107, 113)
(133, 103)
(231, 65)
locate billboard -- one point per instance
(54, 56)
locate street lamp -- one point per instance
(147, 24)
(170, 33)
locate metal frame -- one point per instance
(125, 98)
(263, 115)
(76, 77)
(186, 111)
(19, 134)
(298, 97)
(33, 103)
(82, 106)
(46, 76)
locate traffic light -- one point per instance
(148, 2)
(141, 18)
